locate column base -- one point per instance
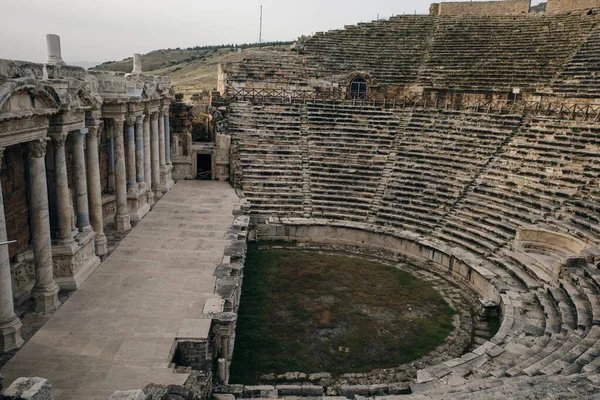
(46, 300)
(158, 194)
(101, 244)
(122, 223)
(10, 335)
(75, 263)
(166, 179)
(150, 197)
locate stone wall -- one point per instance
(482, 7)
(14, 190)
(557, 6)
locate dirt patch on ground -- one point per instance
(312, 312)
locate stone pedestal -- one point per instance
(138, 204)
(75, 262)
(45, 290)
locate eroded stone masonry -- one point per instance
(465, 143)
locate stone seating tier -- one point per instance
(532, 52)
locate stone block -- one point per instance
(289, 390)
(312, 391)
(30, 389)
(262, 392)
(129, 395)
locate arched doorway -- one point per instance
(358, 88)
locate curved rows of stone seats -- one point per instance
(579, 77)
(502, 52)
(549, 331)
(270, 156)
(514, 217)
(532, 178)
(469, 52)
(348, 146)
(272, 68)
(401, 46)
(438, 156)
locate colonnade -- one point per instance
(138, 154)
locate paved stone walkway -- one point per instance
(118, 330)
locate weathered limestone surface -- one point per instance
(30, 389)
(45, 290)
(502, 7)
(556, 6)
(117, 331)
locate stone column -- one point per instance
(130, 158)
(139, 150)
(110, 156)
(167, 139)
(122, 220)
(80, 178)
(155, 157)
(63, 203)
(45, 291)
(161, 140)
(10, 324)
(95, 189)
(148, 160)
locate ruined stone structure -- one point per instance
(200, 148)
(79, 151)
(466, 143)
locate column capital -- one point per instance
(118, 123)
(130, 121)
(154, 116)
(37, 148)
(79, 134)
(59, 140)
(140, 119)
(93, 132)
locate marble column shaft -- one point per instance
(80, 177)
(110, 156)
(122, 219)
(155, 152)
(10, 324)
(45, 290)
(130, 158)
(161, 139)
(139, 149)
(148, 160)
(167, 139)
(63, 203)
(95, 190)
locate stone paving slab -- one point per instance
(117, 331)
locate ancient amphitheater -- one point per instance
(466, 141)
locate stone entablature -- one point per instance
(501, 7)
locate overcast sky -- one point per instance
(103, 30)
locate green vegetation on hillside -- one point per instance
(311, 312)
(193, 69)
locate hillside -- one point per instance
(192, 70)
(540, 8)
